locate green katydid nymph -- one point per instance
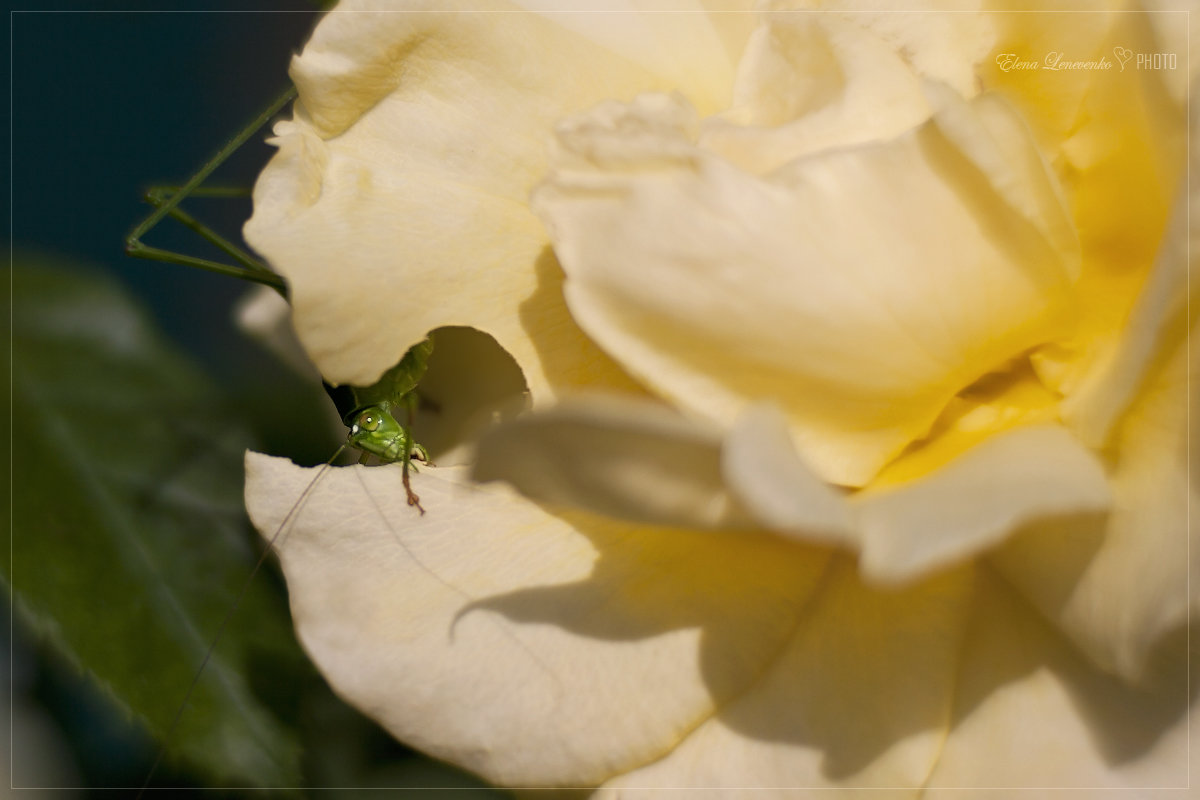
(369, 414)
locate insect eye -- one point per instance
(369, 421)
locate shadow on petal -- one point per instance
(471, 381)
(796, 651)
(818, 678)
(1160, 702)
(1031, 710)
(744, 591)
(568, 358)
(1044, 559)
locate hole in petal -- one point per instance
(471, 382)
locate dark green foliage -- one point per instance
(129, 539)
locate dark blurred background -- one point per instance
(105, 103)
(106, 100)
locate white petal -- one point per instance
(783, 493)
(1118, 141)
(860, 290)
(945, 40)
(1116, 584)
(978, 500)
(642, 462)
(692, 45)
(1030, 713)
(397, 201)
(615, 456)
(810, 82)
(858, 698)
(531, 648)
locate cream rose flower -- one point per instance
(877, 472)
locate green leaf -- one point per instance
(129, 540)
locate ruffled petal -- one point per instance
(943, 40)
(1116, 584)
(860, 290)
(531, 648)
(1117, 140)
(397, 201)
(811, 82)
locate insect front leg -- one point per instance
(415, 450)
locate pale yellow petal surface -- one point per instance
(1155, 320)
(763, 470)
(691, 45)
(809, 82)
(961, 688)
(642, 462)
(1009, 398)
(859, 290)
(397, 201)
(1117, 142)
(944, 40)
(1031, 713)
(531, 648)
(1031, 473)
(812, 81)
(1115, 584)
(470, 383)
(858, 698)
(626, 459)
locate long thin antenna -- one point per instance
(166, 740)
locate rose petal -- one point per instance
(810, 82)
(1029, 712)
(691, 45)
(1115, 585)
(1157, 316)
(938, 39)
(859, 697)
(630, 460)
(397, 201)
(954, 686)
(1032, 473)
(762, 468)
(1171, 32)
(533, 649)
(642, 462)
(470, 383)
(860, 290)
(1118, 144)
(1011, 397)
